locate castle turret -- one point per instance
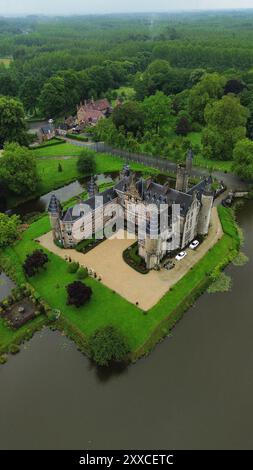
(189, 161)
(182, 179)
(55, 212)
(183, 173)
(125, 171)
(92, 187)
(205, 211)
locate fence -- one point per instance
(156, 163)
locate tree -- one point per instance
(156, 109)
(8, 229)
(234, 86)
(108, 344)
(226, 125)
(86, 164)
(8, 82)
(78, 293)
(18, 169)
(243, 159)
(196, 76)
(12, 121)
(34, 262)
(210, 87)
(129, 117)
(29, 92)
(183, 126)
(52, 100)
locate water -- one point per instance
(194, 391)
(63, 194)
(6, 286)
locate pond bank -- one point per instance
(142, 329)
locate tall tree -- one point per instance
(243, 159)
(129, 117)
(157, 109)
(18, 169)
(210, 87)
(52, 100)
(226, 125)
(12, 121)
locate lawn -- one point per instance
(142, 330)
(51, 178)
(6, 61)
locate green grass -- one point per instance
(64, 150)
(51, 178)
(6, 61)
(106, 307)
(225, 166)
(9, 336)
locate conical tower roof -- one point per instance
(54, 205)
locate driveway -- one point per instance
(146, 289)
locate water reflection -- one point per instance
(6, 286)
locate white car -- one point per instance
(194, 245)
(181, 255)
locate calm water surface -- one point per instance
(194, 391)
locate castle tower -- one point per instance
(205, 211)
(55, 212)
(183, 173)
(92, 187)
(189, 161)
(182, 178)
(125, 171)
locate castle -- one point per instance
(195, 210)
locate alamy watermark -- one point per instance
(134, 220)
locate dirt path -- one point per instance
(106, 259)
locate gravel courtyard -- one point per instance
(107, 261)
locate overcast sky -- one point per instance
(17, 7)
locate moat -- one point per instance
(194, 391)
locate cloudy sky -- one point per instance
(17, 7)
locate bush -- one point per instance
(3, 358)
(81, 138)
(82, 273)
(73, 267)
(108, 345)
(14, 349)
(34, 262)
(78, 293)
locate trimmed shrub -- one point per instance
(82, 273)
(73, 267)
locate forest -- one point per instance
(182, 80)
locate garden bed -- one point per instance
(134, 260)
(20, 313)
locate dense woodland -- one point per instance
(183, 80)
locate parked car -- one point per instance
(194, 245)
(170, 265)
(181, 255)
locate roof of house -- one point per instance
(47, 129)
(149, 192)
(108, 195)
(54, 205)
(90, 114)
